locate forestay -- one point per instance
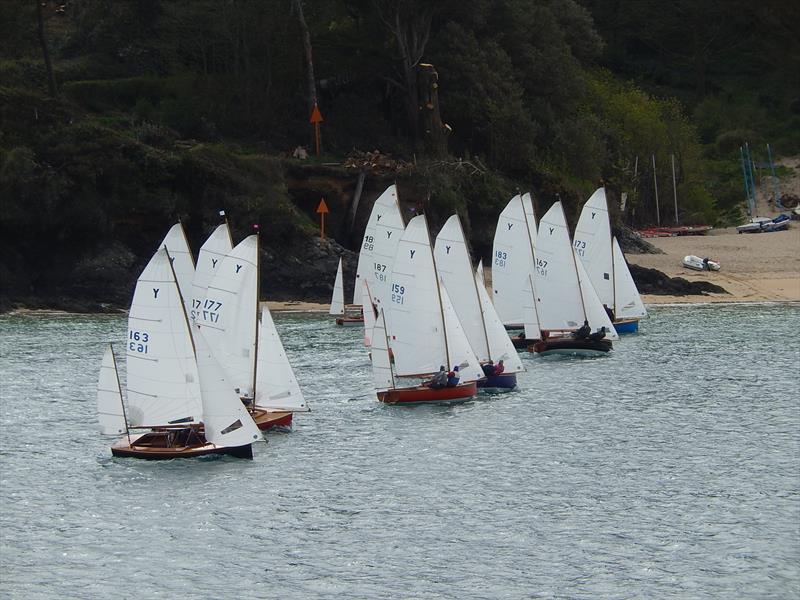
(276, 384)
(215, 248)
(225, 419)
(512, 257)
(228, 313)
(109, 396)
(414, 315)
(337, 300)
(379, 246)
(369, 314)
(162, 376)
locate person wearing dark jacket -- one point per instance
(584, 331)
(452, 377)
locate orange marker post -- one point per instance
(322, 208)
(316, 119)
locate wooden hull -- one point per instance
(166, 445)
(271, 419)
(522, 343)
(626, 326)
(502, 382)
(571, 347)
(350, 321)
(422, 394)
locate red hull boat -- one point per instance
(423, 394)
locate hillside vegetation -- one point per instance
(155, 110)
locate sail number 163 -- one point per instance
(137, 341)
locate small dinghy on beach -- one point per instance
(700, 264)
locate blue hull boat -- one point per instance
(627, 326)
(502, 382)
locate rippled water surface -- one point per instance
(669, 469)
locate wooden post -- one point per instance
(655, 186)
(674, 189)
(434, 132)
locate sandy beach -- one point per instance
(759, 267)
(754, 267)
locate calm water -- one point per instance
(670, 469)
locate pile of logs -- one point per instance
(376, 161)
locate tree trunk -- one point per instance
(312, 88)
(434, 132)
(51, 80)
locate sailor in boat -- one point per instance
(609, 312)
(453, 377)
(439, 380)
(599, 334)
(584, 331)
(500, 367)
(489, 368)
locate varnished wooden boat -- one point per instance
(168, 443)
(271, 419)
(423, 394)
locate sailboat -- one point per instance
(564, 296)
(379, 247)
(344, 318)
(176, 394)
(485, 332)
(512, 258)
(228, 317)
(213, 250)
(421, 327)
(605, 264)
(182, 261)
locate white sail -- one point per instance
(628, 304)
(225, 419)
(531, 316)
(592, 244)
(454, 267)
(559, 302)
(162, 372)
(380, 243)
(413, 309)
(182, 262)
(595, 311)
(276, 384)
(459, 352)
(109, 396)
(381, 365)
(480, 274)
(369, 314)
(512, 257)
(500, 345)
(215, 248)
(227, 315)
(337, 300)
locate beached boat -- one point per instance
(485, 332)
(700, 264)
(177, 394)
(765, 224)
(606, 266)
(565, 298)
(229, 318)
(513, 258)
(346, 315)
(421, 328)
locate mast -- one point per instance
(574, 264)
(533, 255)
(183, 306)
(185, 239)
(124, 414)
(475, 286)
(386, 337)
(258, 293)
(438, 293)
